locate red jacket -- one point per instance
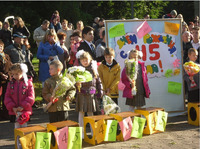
(125, 80)
(18, 94)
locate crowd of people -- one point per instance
(58, 44)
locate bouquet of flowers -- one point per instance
(191, 69)
(60, 90)
(80, 75)
(110, 106)
(131, 67)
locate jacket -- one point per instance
(44, 51)
(5, 64)
(125, 80)
(110, 78)
(5, 36)
(18, 94)
(15, 52)
(95, 83)
(55, 27)
(84, 46)
(62, 104)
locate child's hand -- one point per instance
(51, 99)
(68, 98)
(191, 78)
(15, 110)
(20, 109)
(132, 84)
(108, 91)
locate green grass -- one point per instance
(37, 84)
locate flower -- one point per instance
(131, 67)
(176, 63)
(110, 106)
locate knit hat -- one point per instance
(173, 12)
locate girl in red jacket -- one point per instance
(19, 96)
(142, 86)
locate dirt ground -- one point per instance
(178, 135)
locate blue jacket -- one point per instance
(44, 51)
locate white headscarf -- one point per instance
(24, 71)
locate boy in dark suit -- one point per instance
(87, 45)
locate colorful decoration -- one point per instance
(126, 128)
(43, 140)
(138, 127)
(168, 73)
(117, 30)
(111, 130)
(171, 28)
(176, 63)
(174, 87)
(177, 72)
(161, 120)
(28, 141)
(75, 138)
(143, 29)
(61, 137)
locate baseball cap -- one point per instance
(19, 34)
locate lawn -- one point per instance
(37, 84)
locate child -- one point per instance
(58, 111)
(141, 83)
(109, 73)
(74, 48)
(193, 93)
(87, 45)
(5, 64)
(64, 58)
(20, 95)
(86, 102)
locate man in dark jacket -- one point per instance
(15, 50)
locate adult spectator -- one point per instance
(55, 14)
(101, 48)
(64, 58)
(186, 45)
(67, 32)
(172, 14)
(70, 26)
(146, 16)
(48, 51)
(184, 27)
(96, 21)
(19, 26)
(15, 50)
(180, 16)
(40, 32)
(5, 34)
(190, 26)
(79, 26)
(100, 35)
(196, 42)
(97, 28)
(55, 24)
